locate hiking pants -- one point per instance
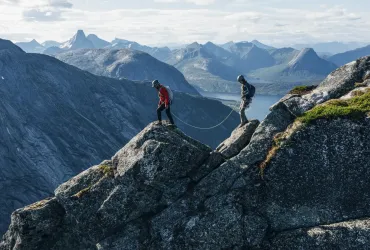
(243, 106)
(168, 112)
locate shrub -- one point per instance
(302, 90)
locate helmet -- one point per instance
(155, 83)
(241, 78)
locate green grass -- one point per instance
(360, 84)
(302, 90)
(38, 204)
(354, 108)
(107, 170)
(83, 192)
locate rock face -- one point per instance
(238, 140)
(57, 120)
(294, 186)
(129, 64)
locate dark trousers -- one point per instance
(168, 113)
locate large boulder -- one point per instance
(238, 140)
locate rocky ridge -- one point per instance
(292, 185)
(57, 120)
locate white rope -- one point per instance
(227, 117)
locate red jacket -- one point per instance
(164, 98)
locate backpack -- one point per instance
(170, 93)
(252, 90)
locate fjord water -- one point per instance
(257, 110)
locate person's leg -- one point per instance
(169, 115)
(159, 112)
(243, 107)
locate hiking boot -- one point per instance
(159, 123)
(243, 123)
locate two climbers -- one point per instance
(247, 92)
(164, 101)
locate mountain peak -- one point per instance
(194, 45)
(306, 54)
(80, 33)
(308, 60)
(261, 45)
(98, 42)
(78, 41)
(8, 45)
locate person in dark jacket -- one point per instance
(164, 102)
(246, 99)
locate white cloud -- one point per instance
(196, 2)
(57, 20)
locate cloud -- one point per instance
(48, 11)
(9, 2)
(60, 4)
(196, 2)
(183, 22)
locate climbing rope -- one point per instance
(227, 117)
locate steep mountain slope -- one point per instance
(300, 181)
(128, 64)
(204, 70)
(161, 54)
(283, 55)
(217, 51)
(48, 44)
(331, 47)
(98, 42)
(262, 46)
(78, 41)
(307, 60)
(349, 56)
(305, 66)
(252, 57)
(31, 47)
(56, 120)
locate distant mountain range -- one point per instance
(211, 67)
(57, 120)
(32, 47)
(127, 64)
(331, 47)
(349, 56)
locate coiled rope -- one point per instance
(213, 127)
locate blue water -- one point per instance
(259, 107)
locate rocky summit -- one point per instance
(297, 180)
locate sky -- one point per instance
(164, 22)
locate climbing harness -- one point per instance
(227, 117)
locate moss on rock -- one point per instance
(107, 170)
(354, 108)
(302, 90)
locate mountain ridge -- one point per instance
(57, 120)
(289, 182)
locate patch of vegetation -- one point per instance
(276, 144)
(360, 84)
(302, 90)
(354, 108)
(107, 170)
(82, 192)
(357, 93)
(38, 204)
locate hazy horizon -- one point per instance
(176, 22)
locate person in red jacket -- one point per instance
(164, 101)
